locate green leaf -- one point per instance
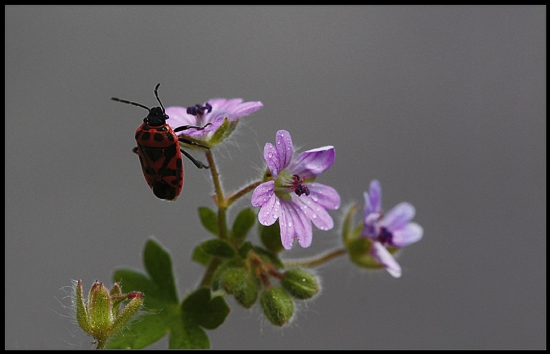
(245, 248)
(160, 301)
(209, 219)
(158, 264)
(205, 311)
(200, 256)
(242, 225)
(271, 237)
(141, 333)
(268, 256)
(188, 335)
(218, 248)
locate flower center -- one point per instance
(198, 110)
(385, 236)
(298, 187)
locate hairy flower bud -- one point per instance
(277, 305)
(239, 283)
(300, 283)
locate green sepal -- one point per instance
(271, 237)
(206, 311)
(242, 225)
(209, 219)
(277, 305)
(223, 131)
(348, 233)
(218, 248)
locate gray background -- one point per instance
(446, 106)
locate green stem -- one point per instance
(235, 196)
(207, 278)
(220, 198)
(315, 261)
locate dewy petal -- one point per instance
(264, 196)
(398, 217)
(271, 157)
(316, 213)
(285, 148)
(286, 226)
(300, 224)
(408, 234)
(325, 196)
(312, 163)
(382, 255)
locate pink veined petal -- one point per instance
(247, 108)
(312, 163)
(324, 195)
(382, 255)
(271, 157)
(285, 148)
(300, 223)
(287, 231)
(270, 211)
(375, 197)
(262, 193)
(406, 235)
(316, 213)
(398, 216)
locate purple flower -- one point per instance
(292, 196)
(392, 229)
(221, 114)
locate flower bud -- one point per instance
(300, 283)
(277, 305)
(242, 285)
(100, 316)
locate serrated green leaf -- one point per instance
(242, 225)
(271, 237)
(205, 311)
(158, 264)
(142, 332)
(218, 248)
(209, 220)
(200, 256)
(188, 335)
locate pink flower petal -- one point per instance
(285, 148)
(408, 234)
(312, 163)
(382, 255)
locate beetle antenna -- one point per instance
(130, 102)
(157, 95)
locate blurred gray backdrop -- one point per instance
(446, 106)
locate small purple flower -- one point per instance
(214, 112)
(392, 229)
(292, 196)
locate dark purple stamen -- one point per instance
(298, 187)
(385, 236)
(198, 110)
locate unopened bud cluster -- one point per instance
(251, 278)
(101, 315)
